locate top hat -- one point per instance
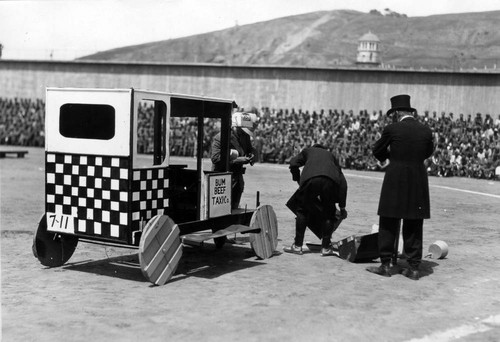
(400, 102)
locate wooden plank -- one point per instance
(167, 261)
(156, 223)
(316, 247)
(264, 243)
(154, 241)
(233, 229)
(19, 154)
(160, 249)
(239, 216)
(164, 251)
(170, 269)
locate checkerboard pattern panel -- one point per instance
(92, 189)
(149, 194)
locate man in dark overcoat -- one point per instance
(321, 186)
(406, 143)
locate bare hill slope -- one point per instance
(330, 38)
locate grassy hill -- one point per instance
(330, 38)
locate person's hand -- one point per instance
(383, 164)
(251, 159)
(233, 154)
(241, 160)
(343, 213)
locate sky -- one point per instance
(67, 29)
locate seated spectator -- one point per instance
(465, 147)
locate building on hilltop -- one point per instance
(368, 50)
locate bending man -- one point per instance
(321, 185)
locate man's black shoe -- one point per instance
(383, 270)
(410, 273)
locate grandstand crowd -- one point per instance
(466, 146)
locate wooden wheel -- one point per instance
(160, 249)
(264, 243)
(52, 249)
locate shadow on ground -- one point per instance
(204, 262)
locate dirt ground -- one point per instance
(229, 294)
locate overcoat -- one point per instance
(241, 143)
(405, 189)
(316, 162)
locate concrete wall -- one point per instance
(274, 87)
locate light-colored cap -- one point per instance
(246, 121)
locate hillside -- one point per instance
(330, 38)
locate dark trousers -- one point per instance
(317, 204)
(300, 230)
(237, 190)
(412, 238)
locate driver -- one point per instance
(243, 125)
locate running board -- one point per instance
(197, 239)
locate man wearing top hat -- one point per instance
(405, 143)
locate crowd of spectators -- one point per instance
(22, 122)
(465, 146)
